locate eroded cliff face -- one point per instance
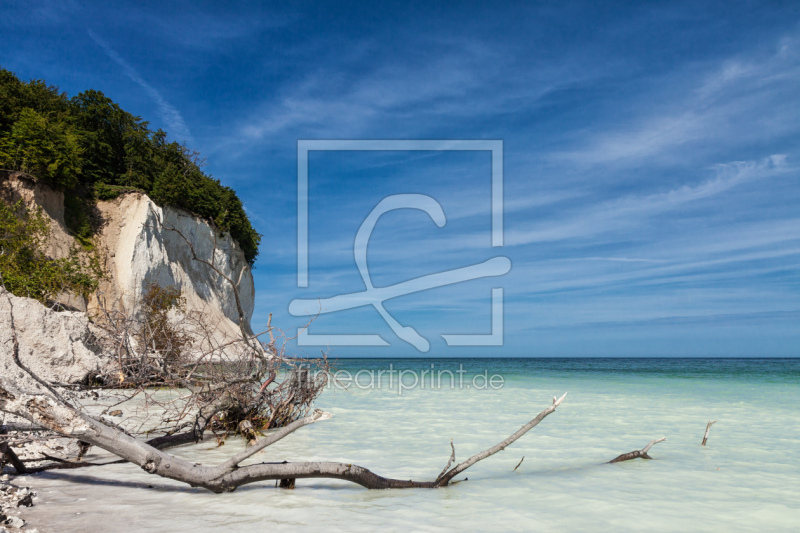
(137, 247)
(144, 243)
(17, 185)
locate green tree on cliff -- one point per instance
(91, 149)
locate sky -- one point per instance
(650, 160)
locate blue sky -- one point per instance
(651, 156)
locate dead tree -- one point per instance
(637, 453)
(219, 380)
(225, 381)
(230, 380)
(46, 407)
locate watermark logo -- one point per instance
(403, 380)
(376, 296)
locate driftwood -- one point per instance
(222, 383)
(48, 411)
(67, 465)
(56, 464)
(637, 453)
(708, 429)
(7, 453)
(233, 379)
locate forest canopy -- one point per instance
(91, 149)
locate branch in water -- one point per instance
(637, 453)
(45, 410)
(708, 429)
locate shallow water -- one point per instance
(746, 479)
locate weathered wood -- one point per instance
(637, 453)
(46, 410)
(449, 461)
(502, 445)
(8, 453)
(71, 465)
(708, 429)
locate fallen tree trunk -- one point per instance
(52, 413)
(637, 453)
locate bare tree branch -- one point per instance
(708, 429)
(502, 445)
(449, 461)
(45, 410)
(317, 416)
(637, 453)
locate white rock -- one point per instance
(143, 252)
(15, 521)
(54, 345)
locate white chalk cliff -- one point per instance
(138, 247)
(56, 346)
(142, 248)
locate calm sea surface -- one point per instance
(746, 479)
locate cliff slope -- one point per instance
(138, 247)
(145, 243)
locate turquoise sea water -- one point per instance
(746, 479)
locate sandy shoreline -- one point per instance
(12, 499)
(35, 448)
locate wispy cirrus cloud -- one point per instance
(639, 186)
(628, 211)
(169, 114)
(351, 96)
(734, 102)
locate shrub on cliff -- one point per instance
(25, 270)
(88, 146)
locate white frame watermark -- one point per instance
(375, 296)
